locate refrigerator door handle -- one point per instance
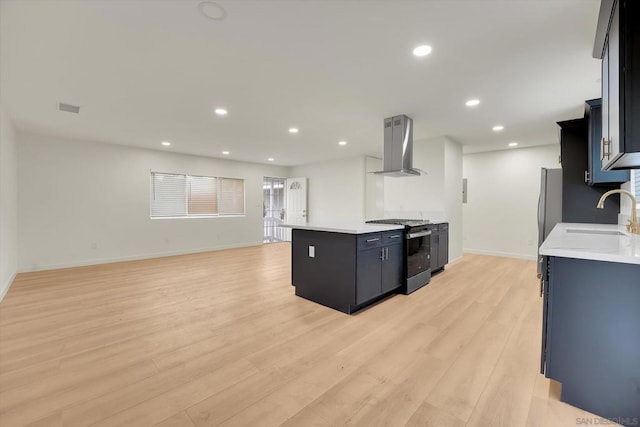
(540, 217)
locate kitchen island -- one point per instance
(346, 266)
(591, 318)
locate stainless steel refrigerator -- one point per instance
(549, 205)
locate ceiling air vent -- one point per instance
(68, 108)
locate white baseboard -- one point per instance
(501, 254)
(4, 287)
(454, 260)
(97, 261)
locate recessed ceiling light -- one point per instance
(293, 130)
(166, 143)
(472, 102)
(342, 143)
(513, 144)
(497, 128)
(221, 111)
(271, 159)
(226, 153)
(212, 10)
(422, 50)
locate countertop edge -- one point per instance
(609, 248)
(346, 229)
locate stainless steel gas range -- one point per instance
(417, 251)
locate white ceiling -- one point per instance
(146, 71)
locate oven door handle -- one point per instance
(418, 234)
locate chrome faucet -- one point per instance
(633, 226)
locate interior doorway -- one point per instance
(273, 212)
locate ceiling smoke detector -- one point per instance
(212, 10)
(68, 108)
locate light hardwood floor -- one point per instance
(219, 338)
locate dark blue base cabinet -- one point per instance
(346, 271)
(439, 246)
(591, 335)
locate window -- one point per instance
(178, 195)
(231, 196)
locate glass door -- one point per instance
(273, 209)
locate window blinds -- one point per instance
(202, 198)
(179, 195)
(231, 196)
(168, 194)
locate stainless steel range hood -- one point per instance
(398, 147)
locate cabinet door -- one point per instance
(613, 144)
(392, 267)
(593, 345)
(544, 283)
(368, 283)
(434, 247)
(443, 245)
(597, 175)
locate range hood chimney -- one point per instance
(398, 147)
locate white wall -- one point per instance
(374, 189)
(625, 203)
(74, 194)
(436, 195)
(500, 217)
(453, 196)
(8, 204)
(424, 193)
(335, 189)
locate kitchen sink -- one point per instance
(600, 232)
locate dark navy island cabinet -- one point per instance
(346, 271)
(591, 335)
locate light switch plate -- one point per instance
(312, 251)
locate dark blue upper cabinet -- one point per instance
(595, 175)
(617, 43)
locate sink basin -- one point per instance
(600, 232)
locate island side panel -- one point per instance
(329, 277)
(594, 340)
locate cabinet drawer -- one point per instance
(372, 240)
(392, 237)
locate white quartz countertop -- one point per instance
(598, 242)
(346, 227)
